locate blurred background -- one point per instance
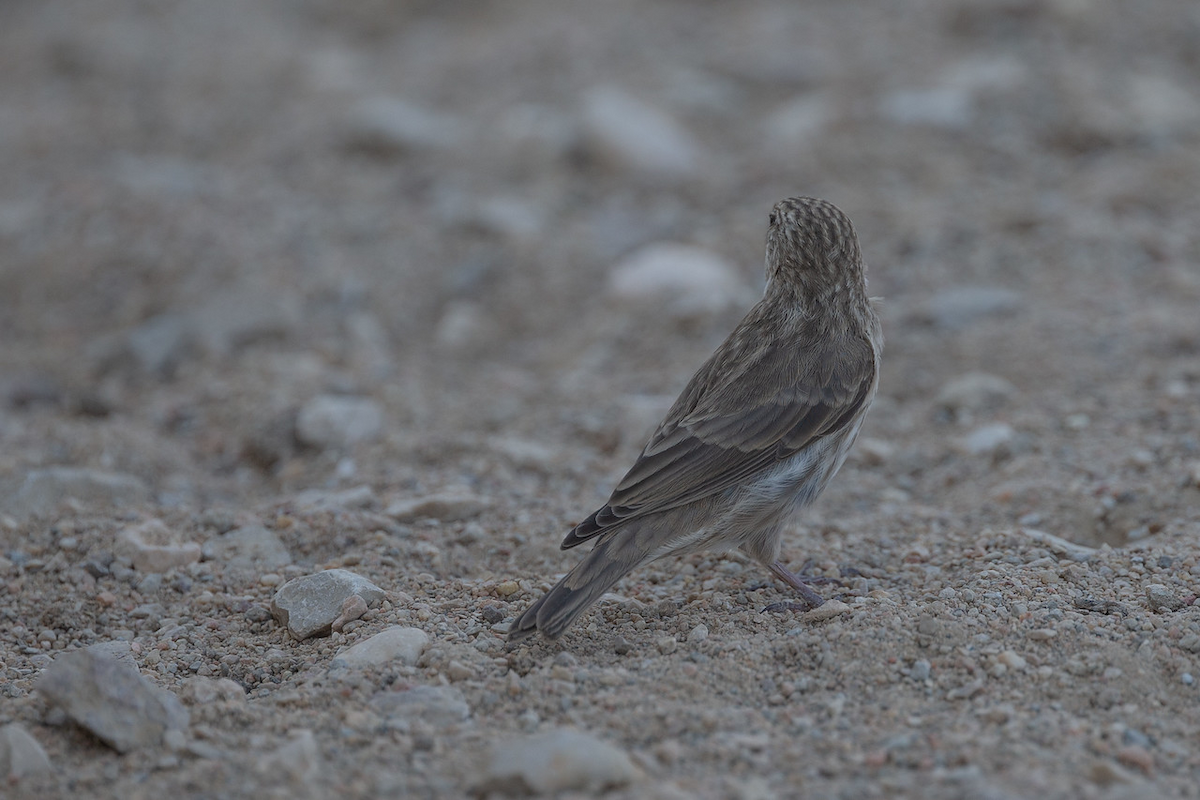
(251, 248)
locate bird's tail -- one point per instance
(610, 560)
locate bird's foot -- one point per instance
(801, 606)
(809, 598)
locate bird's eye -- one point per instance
(773, 219)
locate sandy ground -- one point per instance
(216, 216)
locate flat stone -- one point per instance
(975, 392)
(396, 645)
(962, 306)
(386, 126)
(147, 547)
(44, 490)
(310, 604)
(110, 698)
(20, 754)
(826, 611)
(336, 421)
(684, 281)
(442, 507)
(561, 760)
(248, 547)
(435, 705)
(989, 440)
(201, 691)
(634, 134)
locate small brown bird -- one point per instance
(758, 431)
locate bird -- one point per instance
(756, 434)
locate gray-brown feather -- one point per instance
(757, 432)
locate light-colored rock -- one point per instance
(201, 691)
(631, 133)
(335, 421)
(798, 121)
(948, 107)
(396, 645)
(1162, 598)
(359, 497)
(682, 280)
(310, 604)
(148, 546)
(45, 490)
(826, 611)
(248, 547)
(957, 308)
(353, 607)
(975, 392)
(442, 507)
(111, 699)
(563, 760)
(434, 705)
(242, 314)
(298, 761)
(389, 126)
(21, 755)
(159, 344)
(989, 440)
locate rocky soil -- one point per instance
(322, 322)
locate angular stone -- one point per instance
(248, 547)
(110, 698)
(684, 281)
(398, 644)
(442, 507)
(334, 421)
(557, 761)
(436, 705)
(147, 546)
(44, 490)
(631, 133)
(20, 754)
(308, 605)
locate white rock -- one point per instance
(798, 121)
(359, 497)
(434, 705)
(943, 107)
(993, 439)
(20, 754)
(160, 343)
(956, 308)
(683, 280)
(110, 698)
(248, 547)
(298, 761)
(389, 125)
(631, 133)
(242, 314)
(310, 604)
(561, 760)
(336, 421)
(147, 546)
(826, 611)
(975, 392)
(44, 490)
(397, 644)
(443, 507)
(201, 691)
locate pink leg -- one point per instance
(810, 598)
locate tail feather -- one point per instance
(610, 560)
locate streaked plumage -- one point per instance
(758, 431)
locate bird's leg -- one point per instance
(810, 599)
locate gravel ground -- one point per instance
(392, 287)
